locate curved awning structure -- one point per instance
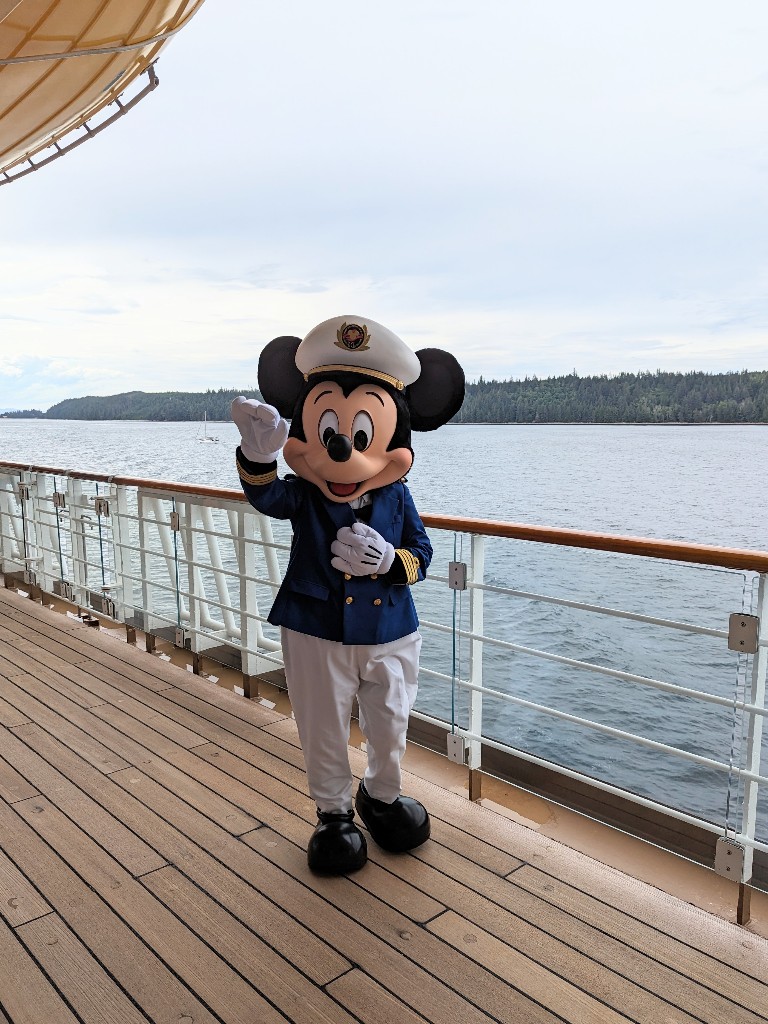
(62, 62)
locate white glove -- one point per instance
(361, 551)
(261, 427)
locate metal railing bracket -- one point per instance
(457, 575)
(456, 748)
(729, 859)
(743, 633)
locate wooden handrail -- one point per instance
(648, 547)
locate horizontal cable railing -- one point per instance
(198, 566)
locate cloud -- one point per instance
(531, 187)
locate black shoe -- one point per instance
(337, 846)
(397, 827)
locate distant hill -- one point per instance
(658, 397)
(144, 405)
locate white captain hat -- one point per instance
(356, 344)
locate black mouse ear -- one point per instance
(439, 391)
(280, 380)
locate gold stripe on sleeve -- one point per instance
(411, 564)
(256, 481)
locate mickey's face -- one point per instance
(345, 452)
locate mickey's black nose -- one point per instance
(339, 448)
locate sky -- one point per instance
(536, 187)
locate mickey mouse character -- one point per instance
(348, 623)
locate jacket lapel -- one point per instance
(339, 513)
(384, 508)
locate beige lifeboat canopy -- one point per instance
(65, 67)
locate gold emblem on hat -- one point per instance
(353, 337)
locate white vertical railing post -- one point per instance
(44, 510)
(216, 564)
(60, 526)
(36, 561)
(246, 561)
(123, 592)
(188, 550)
(76, 501)
(147, 595)
(755, 728)
(30, 525)
(6, 523)
(17, 523)
(474, 755)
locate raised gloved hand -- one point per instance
(262, 429)
(361, 551)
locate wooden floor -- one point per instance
(152, 867)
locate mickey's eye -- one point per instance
(328, 426)
(362, 431)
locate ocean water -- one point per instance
(704, 484)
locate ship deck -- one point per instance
(152, 867)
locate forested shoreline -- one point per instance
(659, 397)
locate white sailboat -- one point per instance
(206, 436)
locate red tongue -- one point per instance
(342, 490)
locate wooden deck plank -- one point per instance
(385, 925)
(487, 921)
(264, 916)
(20, 902)
(561, 997)
(300, 899)
(96, 753)
(78, 976)
(10, 642)
(9, 716)
(97, 722)
(20, 647)
(140, 745)
(446, 825)
(223, 990)
(635, 984)
(254, 743)
(686, 960)
(136, 856)
(25, 667)
(283, 985)
(203, 787)
(25, 992)
(653, 908)
(268, 781)
(53, 678)
(139, 722)
(219, 808)
(13, 786)
(557, 938)
(369, 1001)
(72, 643)
(297, 825)
(162, 730)
(150, 671)
(135, 968)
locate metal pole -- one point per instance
(476, 667)
(754, 737)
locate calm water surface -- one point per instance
(704, 484)
(698, 483)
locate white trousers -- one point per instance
(324, 677)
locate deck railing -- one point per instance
(540, 645)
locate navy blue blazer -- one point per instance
(317, 599)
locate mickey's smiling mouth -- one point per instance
(341, 490)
